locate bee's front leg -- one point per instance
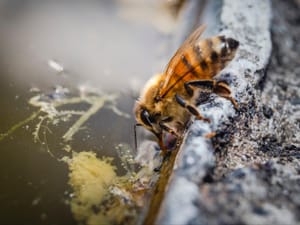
(168, 129)
(161, 142)
(188, 89)
(191, 108)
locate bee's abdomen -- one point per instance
(209, 56)
(201, 61)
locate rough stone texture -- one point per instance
(250, 172)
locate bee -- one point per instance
(169, 99)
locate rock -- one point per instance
(249, 172)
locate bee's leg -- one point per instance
(220, 88)
(203, 84)
(160, 143)
(188, 89)
(192, 109)
(168, 129)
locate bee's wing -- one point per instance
(172, 68)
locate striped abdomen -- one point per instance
(201, 61)
(207, 58)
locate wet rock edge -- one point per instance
(248, 173)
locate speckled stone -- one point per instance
(249, 172)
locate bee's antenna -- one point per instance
(135, 139)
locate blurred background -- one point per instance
(65, 48)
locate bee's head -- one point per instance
(151, 121)
(147, 118)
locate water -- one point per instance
(62, 50)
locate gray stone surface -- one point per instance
(249, 172)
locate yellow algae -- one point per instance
(100, 196)
(90, 178)
(18, 125)
(52, 115)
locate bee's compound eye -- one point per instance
(145, 117)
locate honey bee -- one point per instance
(169, 99)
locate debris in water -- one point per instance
(55, 66)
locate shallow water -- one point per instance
(60, 50)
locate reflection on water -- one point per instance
(102, 55)
(93, 40)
